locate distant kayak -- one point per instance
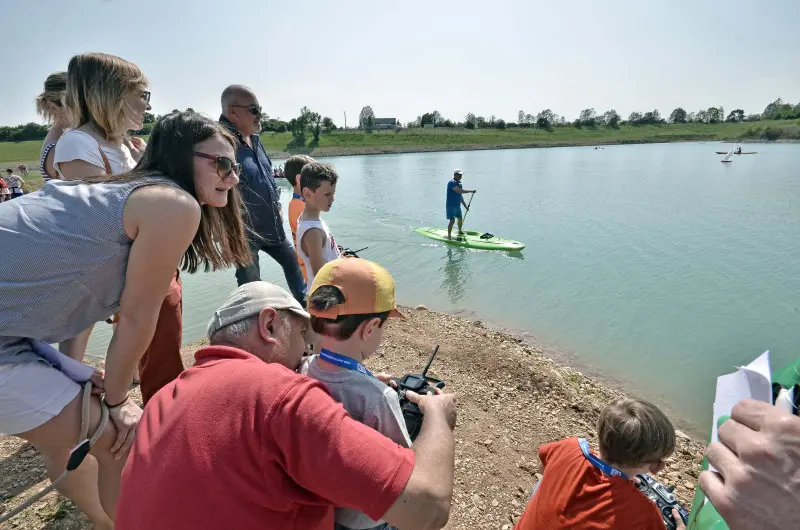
(471, 239)
(744, 153)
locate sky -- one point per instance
(410, 57)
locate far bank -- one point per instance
(355, 142)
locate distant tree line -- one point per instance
(313, 124)
(547, 119)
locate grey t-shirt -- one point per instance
(368, 400)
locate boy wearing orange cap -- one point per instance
(349, 302)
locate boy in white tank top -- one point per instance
(315, 244)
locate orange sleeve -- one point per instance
(546, 451)
(296, 208)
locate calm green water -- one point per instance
(652, 265)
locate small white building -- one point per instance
(384, 123)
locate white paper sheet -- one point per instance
(753, 381)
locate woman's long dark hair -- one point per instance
(221, 239)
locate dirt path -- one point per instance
(511, 399)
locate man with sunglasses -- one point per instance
(242, 114)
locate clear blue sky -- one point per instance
(405, 58)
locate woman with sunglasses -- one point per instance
(116, 241)
(107, 96)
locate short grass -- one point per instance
(453, 138)
(445, 138)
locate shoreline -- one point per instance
(572, 361)
(512, 397)
(323, 152)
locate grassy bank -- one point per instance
(443, 139)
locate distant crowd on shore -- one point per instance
(278, 424)
(11, 184)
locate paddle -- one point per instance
(464, 220)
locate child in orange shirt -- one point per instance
(580, 490)
(296, 206)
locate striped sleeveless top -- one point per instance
(45, 151)
(64, 261)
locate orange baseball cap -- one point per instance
(367, 288)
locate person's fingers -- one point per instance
(413, 397)
(437, 391)
(122, 434)
(98, 381)
(723, 459)
(127, 445)
(678, 520)
(731, 433)
(713, 486)
(751, 413)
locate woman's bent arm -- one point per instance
(162, 222)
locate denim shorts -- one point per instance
(453, 212)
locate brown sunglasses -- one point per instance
(224, 164)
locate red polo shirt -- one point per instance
(237, 443)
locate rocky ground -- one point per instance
(511, 399)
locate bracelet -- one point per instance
(127, 397)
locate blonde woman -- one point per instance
(107, 96)
(50, 106)
(180, 205)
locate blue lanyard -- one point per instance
(296, 196)
(599, 464)
(343, 362)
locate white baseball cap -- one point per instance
(248, 300)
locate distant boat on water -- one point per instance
(729, 155)
(736, 150)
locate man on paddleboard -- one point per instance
(455, 198)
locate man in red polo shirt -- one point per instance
(242, 441)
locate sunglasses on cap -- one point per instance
(224, 164)
(254, 109)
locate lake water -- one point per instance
(655, 265)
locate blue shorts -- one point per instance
(453, 212)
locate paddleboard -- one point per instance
(470, 239)
(742, 153)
